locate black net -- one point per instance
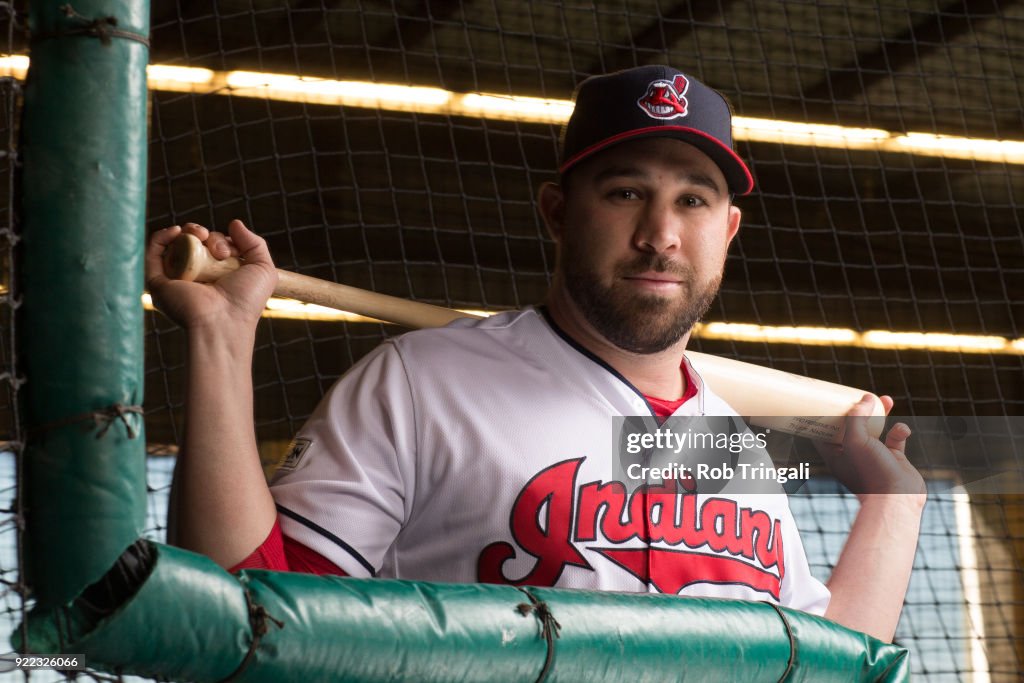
(440, 208)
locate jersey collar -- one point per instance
(694, 384)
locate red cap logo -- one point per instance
(665, 100)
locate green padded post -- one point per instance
(83, 145)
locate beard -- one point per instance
(638, 322)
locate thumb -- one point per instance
(865, 407)
(857, 420)
(251, 247)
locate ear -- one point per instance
(551, 203)
(734, 222)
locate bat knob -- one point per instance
(183, 258)
(186, 258)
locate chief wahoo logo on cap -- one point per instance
(664, 100)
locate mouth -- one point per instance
(654, 282)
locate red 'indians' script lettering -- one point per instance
(552, 544)
(544, 523)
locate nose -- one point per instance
(659, 228)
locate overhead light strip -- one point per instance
(870, 339)
(428, 100)
(809, 336)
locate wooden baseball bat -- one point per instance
(188, 259)
(773, 399)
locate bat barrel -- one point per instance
(789, 403)
(391, 309)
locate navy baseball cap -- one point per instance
(653, 101)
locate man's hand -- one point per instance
(870, 579)
(868, 466)
(239, 297)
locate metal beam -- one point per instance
(659, 35)
(412, 30)
(895, 54)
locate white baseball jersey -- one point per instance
(483, 451)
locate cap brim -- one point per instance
(737, 175)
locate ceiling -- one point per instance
(950, 67)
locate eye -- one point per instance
(693, 201)
(623, 194)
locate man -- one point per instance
(482, 451)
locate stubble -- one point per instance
(635, 321)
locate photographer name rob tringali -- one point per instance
(708, 472)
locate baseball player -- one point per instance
(482, 451)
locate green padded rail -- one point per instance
(189, 620)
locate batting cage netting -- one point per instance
(397, 146)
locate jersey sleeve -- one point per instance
(800, 589)
(344, 489)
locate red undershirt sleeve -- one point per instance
(280, 553)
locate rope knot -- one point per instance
(110, 414)
(550, 629)
(103, 418)
(259, 620)
(105, 28)
(101, 27)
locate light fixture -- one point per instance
(430, 100)
(737, 332)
